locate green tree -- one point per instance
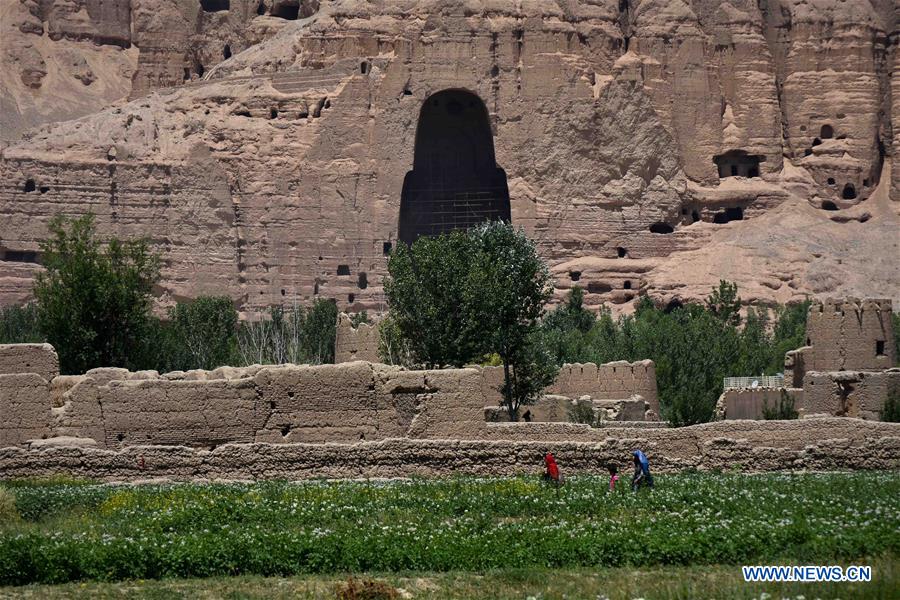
(567, 329)
(19, 325)
(319, 329)
(205, 331)
(430, 304)
(508, 288)
(94, 299)
(458, 297)
(789, 333)
(725, 303)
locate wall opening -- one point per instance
(879, 347)
(621, 252)
(733, 213)
(660, 227)
(261, 8)
(827, 132)
(673, 305)
(849, 192)
(386, 248)
(831, 181)
(273, 113)
(627, 285)
(226, 52)
(597, 287)
(214, 5)
(29, 186)
(574, 275)
(343, 270)
(23, 256)
(829, 205)
(455, 182)
(286, 11)
(351, 298)
(737, 163)
(362, 281)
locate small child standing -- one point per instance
(613, 476)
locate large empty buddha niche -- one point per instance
(455, 182)
(214, 5)
(737, 163)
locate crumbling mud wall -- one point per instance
(750, 403)
(814, 444)
(619, 380)
(859, 394)
(844, 335)
(355, 343)
(29, 358)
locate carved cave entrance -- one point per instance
(455, 182)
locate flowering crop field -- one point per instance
(58, 531)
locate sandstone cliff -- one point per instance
(651, 145)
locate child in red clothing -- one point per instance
(613, 476)
(551, 474)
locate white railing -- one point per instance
(761, 381)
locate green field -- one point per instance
(510, 535)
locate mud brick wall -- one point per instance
(859, 394)
(815, 444)
(355, 343)
(611, 381)
(24, 408)
(849, 335)
(29, 358)
(749, 403)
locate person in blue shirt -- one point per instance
(642, 474)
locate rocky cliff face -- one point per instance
(648, 145)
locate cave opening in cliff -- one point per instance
(737, 163)
(732, 213)
(827, 132)
(455, 182)
(849, 192)
(226, 52)
(29, 186)
(660, 227)
(829, 205)
(261, 8)
(286, 10)
(215, 5)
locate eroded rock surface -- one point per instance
(649, 145)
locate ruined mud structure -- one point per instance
(360, 419)
(845, 368)
(277, 150)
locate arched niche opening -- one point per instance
(455, 182)
(737, 163)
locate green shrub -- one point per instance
(19, 325)
(205, 332)
(292, 335)
(94, 298)
(891, 410)
(582, 412)
(102, 532)
(694, 347)
(8, 511)
(783, 409)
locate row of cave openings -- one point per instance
(848, 191)
(288, 10)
